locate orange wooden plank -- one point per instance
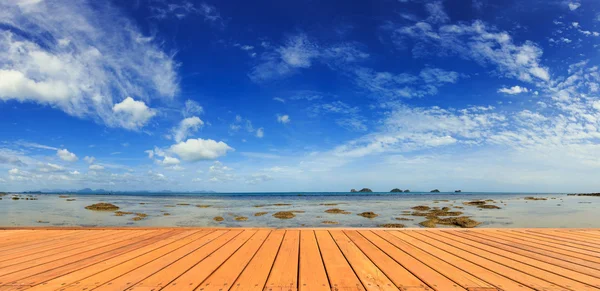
(539, 255)
(560, 237)
(517, 241)
(553, 243)
(463, 272)
(197, 274)
(312, 274)
(529, 276)
(254, 276)
(37, 238)
(166, 275)
(134, 271)
(402, 278)
(53, 248)
(49, 270)
(284, 274)
(230, 270)
(372, 278)
(570, 275)
(426, 274)
(91, 270)
(24, 265)
(341, 276)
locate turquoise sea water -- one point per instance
(559, 210)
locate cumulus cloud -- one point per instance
(65, 155)
(513, 90)
(132, 114)
(200, 149)
(285, 119)
(186, 127)
(260, 133)
(82, 64)
(89, 160)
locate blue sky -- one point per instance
(300, 95)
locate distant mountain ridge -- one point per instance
(103, 191)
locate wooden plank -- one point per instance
(557, 270)
(36, 238)
(198, 273)
(540, 255)
(579, 236)
(517, 241)
(425, 273)
(255, 275)
(402, 278)
(24, 265)
(81, 274)
(166, 275)
(341, 276)
(53, 248)
(553, 243)
(224, 277)
(312, 274)
(526, 275)
(545, 251)
(49, 270)
(560, 237)
(134, 271)
(467, 274)
(372, 278)
(284, 273)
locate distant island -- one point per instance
(435, 191)
(361, 190)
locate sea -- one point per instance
(553, 210)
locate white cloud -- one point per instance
(65, 155)
(299, 52)
(574, 5)
(186, 127)
(283, 118)
(257, 178)
(436, 12)
(200, 149)
(89, 160)
(478, 42)
(79, 64)
(170, 161)
(183, 9)
(96, 167)
(192, 108)
(14, 171)
(279, 99)
(260, 133)
(75, 173)
(219, 173)
(513, 90)
(49, 167)
(133, 114)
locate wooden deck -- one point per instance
(299, 259)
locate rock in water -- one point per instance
(406, 191)
(353, 190)
(365, 190)
(457, 191)
(435, 191)
(396, 190)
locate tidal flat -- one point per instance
(481, 210)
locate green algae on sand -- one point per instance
(102, 207)
(337, 211)
(368, 214)
(284, 215)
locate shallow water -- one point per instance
(559, 210)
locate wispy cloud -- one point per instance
(83, 64)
